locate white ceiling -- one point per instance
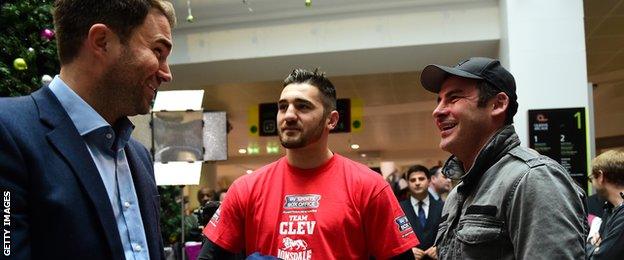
(209, 13)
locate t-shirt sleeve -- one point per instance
(387, 229)
(227, 226)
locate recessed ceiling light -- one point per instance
(249, 171)
(363, 155)
(355, 146)
(242, 151)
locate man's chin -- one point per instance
(143, 111)
(445, 145)
(291, 143)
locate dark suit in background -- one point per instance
(58, 203)
(426, 235)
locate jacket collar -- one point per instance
(503, 141)
(64, 136)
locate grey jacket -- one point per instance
(512, 204)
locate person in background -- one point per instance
(439, 186)
(423, 211)
(511, 203)
(311, 203)
(204, 195)
(195, 221)
(222, 194)
(397, 182)
(79, 186)
(607, 178)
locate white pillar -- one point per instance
(543, 45)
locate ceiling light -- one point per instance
(249, 171)
(355, 146)
(363, 155)
(242, 151)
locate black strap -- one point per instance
(211, 251)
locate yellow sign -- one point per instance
(253, 120)
(357, 108)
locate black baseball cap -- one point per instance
(479, 68)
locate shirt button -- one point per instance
(126, 204)
(109, 136)
(138, 248)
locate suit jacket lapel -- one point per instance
(144, 185)
(434, 206)
(68, 142)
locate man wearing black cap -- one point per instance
(511, 203)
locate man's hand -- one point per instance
(432, 252)
(418, 254)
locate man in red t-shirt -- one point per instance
(312, 203)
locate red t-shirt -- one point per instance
(341, 210)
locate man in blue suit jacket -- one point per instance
(75, 185)
(423, 211)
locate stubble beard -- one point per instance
(602, 193)
(122, 92)
(305, 138)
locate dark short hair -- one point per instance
(73, 20)
(434, 170)
(417, 168)
(318, 80)
(211, 193)
(611, 163)
(218, 194)
(487, 91)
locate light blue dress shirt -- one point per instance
(106, 146)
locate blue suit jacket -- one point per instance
(59, 207)
(426, 235)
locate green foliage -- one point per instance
(170, 213)
(21, 23)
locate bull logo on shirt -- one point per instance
(294, 244)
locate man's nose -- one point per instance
(164, 73)
(290, 113)
(439, 110)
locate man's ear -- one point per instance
(99, 40)
(500, 104)
(599, 177)
(332, 119)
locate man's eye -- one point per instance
(282, 107)
(303, 106)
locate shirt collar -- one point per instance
(85, 118)
(415, 201)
